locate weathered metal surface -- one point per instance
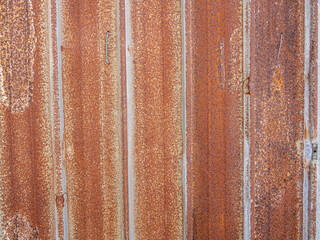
(214, 95)
(92, 119)
(154, 60)
(26, 164)
(18, 43)
(277, 119)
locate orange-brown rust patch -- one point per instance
(277, 103)
(214, 119)
(157, 133)
(92, 119)
(17, 46)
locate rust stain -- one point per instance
(92, 119)
(157, 124)
(277, 101)
(214, 119)
(26, 165)
(17, 46)
(97, 114)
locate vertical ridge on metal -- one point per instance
(124, 126)
(313, 112)
(57, 120)
(92, 119)
(155, 138)
(214, 35)
(277, 119)
(317, 111)
(246, 121)
(27, 199)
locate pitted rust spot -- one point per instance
(19, 228)
(246, 87)
(17, 46)
(60, 201)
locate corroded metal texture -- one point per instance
(277, 117)
(17, 46)
(92, 119)
(192, 119)
(154, 60)
(214, 97)
(26, 164)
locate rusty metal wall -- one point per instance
(186, 119)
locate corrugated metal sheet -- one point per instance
(189, 119)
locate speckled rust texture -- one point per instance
(277, 104)
(17, 46)
(26, 163)
(156, 153)
(214, 119)
(92, 119)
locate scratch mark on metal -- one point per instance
(280, 46)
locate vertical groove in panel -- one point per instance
(155, 141)
(26, 164)
(57, 122)
(62, 169)
(215, 122)
(277, 119)
(246, 121)
(313, 120)
(318, 121)
(91, 107)
(184, 119)
(189, 75)
(124, 135)
(307, 153)
(130, 116)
